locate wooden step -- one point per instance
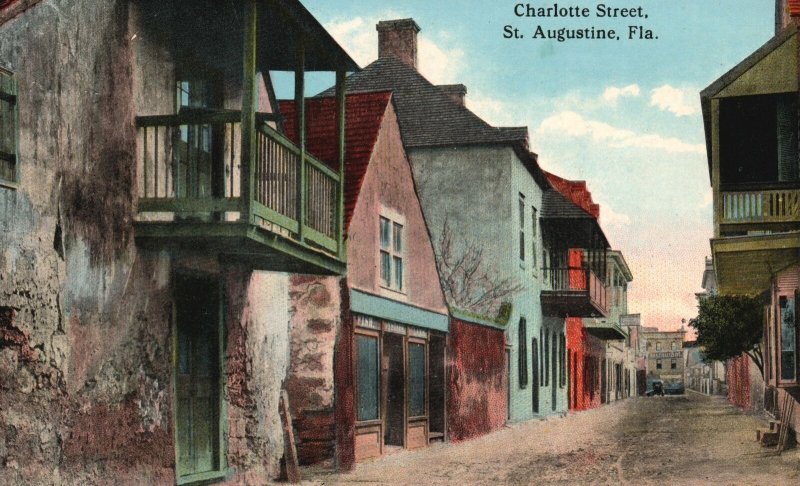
(767, 438)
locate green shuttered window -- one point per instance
(9, 129)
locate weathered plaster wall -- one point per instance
(315, 311)
(85, 317)
(477, 401)
(258, 360)
(91, 401)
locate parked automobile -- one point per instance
(656, 387)
(674, 388)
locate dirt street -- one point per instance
(690, 439)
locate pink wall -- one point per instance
(389, 184)
(477, 401)
(738, 377)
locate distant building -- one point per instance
(664, 350)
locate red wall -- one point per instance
(477, 401)
(583, 392)
(738, 377)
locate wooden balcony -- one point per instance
(574, 292)
(191, 181)
(760, 206)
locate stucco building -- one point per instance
(144, 236)
(483, 194)
(372, 379)
(664, 352)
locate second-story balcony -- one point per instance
(215, 176)
(282, 213)
(574, 291)
(754, 206)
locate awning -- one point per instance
(392, 310)
(745, 265)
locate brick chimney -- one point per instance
(398, 39)
(456, 92)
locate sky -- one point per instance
(624, 115)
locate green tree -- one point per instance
(729, 325)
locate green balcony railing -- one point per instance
(190, 168)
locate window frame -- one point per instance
(521, 219)
(534, 235)
(365, 333)
(394, 254)
(659, 365)
(522, 355)
(9, 93)
(779, 375)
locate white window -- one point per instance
(391, 255)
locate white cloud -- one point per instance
(572, 124)
(612, 94)
(437, 62)
(680, 102)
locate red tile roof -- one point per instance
(577, 192)
(364, 114)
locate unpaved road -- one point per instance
(689, 439)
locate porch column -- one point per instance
(341, 116)
(300, 104)
(249, 97)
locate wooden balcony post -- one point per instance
(342, 121)
(300, 103)
(249, 97)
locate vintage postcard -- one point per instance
(399, 242)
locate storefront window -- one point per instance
(367, 349)
(416, 382)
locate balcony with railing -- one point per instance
(574, 291)
(280, 212)
(757, 206)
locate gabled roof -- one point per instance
(563, 205)
(429, 117)
(364, 113)
(732, 75)
(577, 192)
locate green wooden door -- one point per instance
(198, 377)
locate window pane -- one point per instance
(398, 273)
(386, 270)
(416, 382)
(787, 339)
(523, 353)
(534, 218)
(386, 230)
(367, 350)
(398, 238)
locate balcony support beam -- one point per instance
(249, 108)
(300, 103)
(341, 115)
